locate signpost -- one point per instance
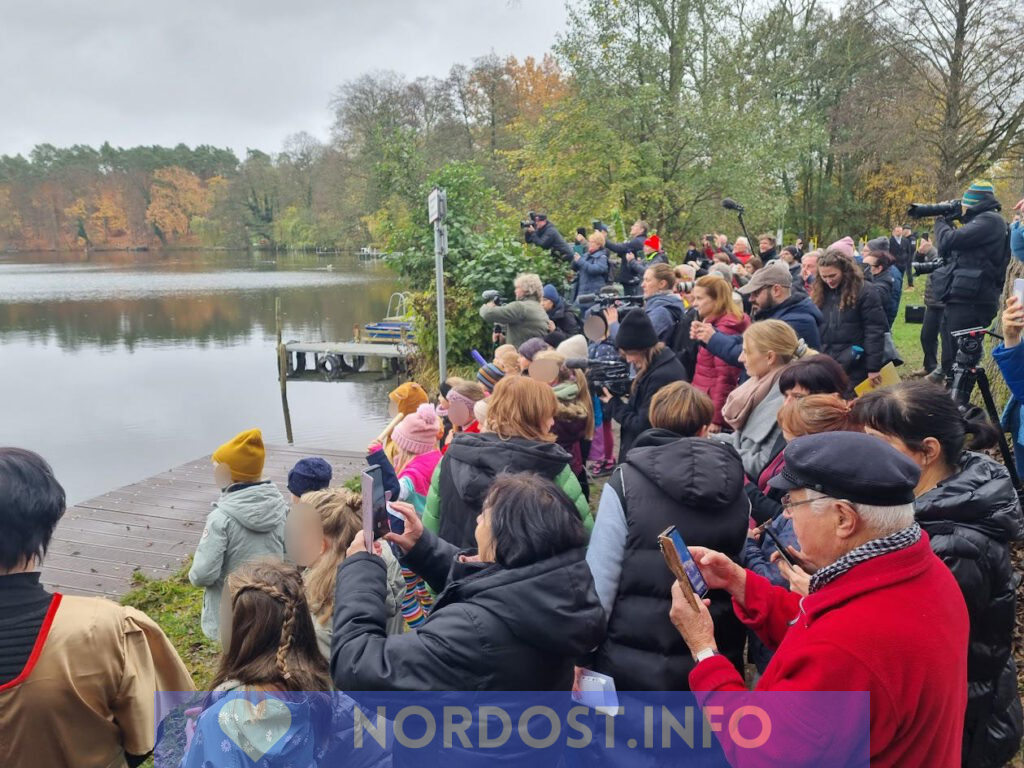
(437, 209)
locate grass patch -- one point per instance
(176, 606)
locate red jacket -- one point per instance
(712, 374)
(895, 626)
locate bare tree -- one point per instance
(966, 55)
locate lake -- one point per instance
(120, 366)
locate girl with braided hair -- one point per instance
(270, 648)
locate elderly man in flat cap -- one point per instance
(883, 615)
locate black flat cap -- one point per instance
(849, 465)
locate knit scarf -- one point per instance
(747, 396)
(566, 391)
(871, 549)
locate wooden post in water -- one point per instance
(282, 370)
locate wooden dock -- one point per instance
(153, 525)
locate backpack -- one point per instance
(679, 340)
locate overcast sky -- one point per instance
(234, 73)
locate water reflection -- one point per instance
(116, 370)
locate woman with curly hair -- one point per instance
(855, 322)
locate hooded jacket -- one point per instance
(697, 486)
(464, 476)
(971, 519)
(716, 376)
(491, 628)
(247, 523)
(632, 416)
(570, 426)
(664, 310)
(564, 318)
(975, 257)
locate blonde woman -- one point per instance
(592, 267)
(751, 410)
(319, 531)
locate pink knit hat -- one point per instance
(844, 246)
(417, 432)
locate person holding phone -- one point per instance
(1009, 356)
(645, 495)
(883, 614)
(512, 614)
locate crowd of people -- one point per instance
(849, 543)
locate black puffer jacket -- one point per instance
(491, 628)
(863, 325)
(564, 318)
(696, 485)
(975, 257)
(550, 239)
(633, 415)
(971, 519)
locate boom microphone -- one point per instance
(731, 205)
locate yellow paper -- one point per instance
(888, 375)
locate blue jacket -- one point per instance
(1011, 366)
(798, 312)
(1017, 240)
(593, 272)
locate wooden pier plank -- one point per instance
(354, 348)
(153, 525)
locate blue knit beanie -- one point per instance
(551, 294)
(980, 191)
(312, 474)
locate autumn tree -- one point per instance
(176, 196)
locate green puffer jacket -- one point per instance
(247, 523)
(464, 476)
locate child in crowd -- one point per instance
(488, 376)
(320, 528)
(403, 400)
(602, 449)
(270, 647)
(409, 480)
(247, 522)
(455, 407)
(506, 357)
(574, 419)
(312, 474)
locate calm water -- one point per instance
(124, 365)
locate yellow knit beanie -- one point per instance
(244, 455)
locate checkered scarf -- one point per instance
(874, 548)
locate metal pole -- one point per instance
(440, 251)
(282, 370)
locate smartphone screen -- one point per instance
(700, 587)
(1018, 289)
(375, 512)
(396, 521)
(779, 546)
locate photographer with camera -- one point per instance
(633, 264)
(974, 258)
(524, 317)
(655, 364)
(537, 230)
(591, 269)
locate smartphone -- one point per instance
(375, 508)
(683, 567)
(395, 520)
(780, 546)
(1018, 289)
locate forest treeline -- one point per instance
(821, 121)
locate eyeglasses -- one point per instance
(788, 503)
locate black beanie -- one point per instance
(635, 331)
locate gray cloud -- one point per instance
(236, 73)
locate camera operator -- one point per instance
(926, 261)
(631, 269)
(971, 278)
(542, 233)
(656, 365)
(525, 317)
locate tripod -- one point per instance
(967, 372)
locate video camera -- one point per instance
(950, 209)
(613, 375)
(610, 299)
(495, 296)
(529, 221)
